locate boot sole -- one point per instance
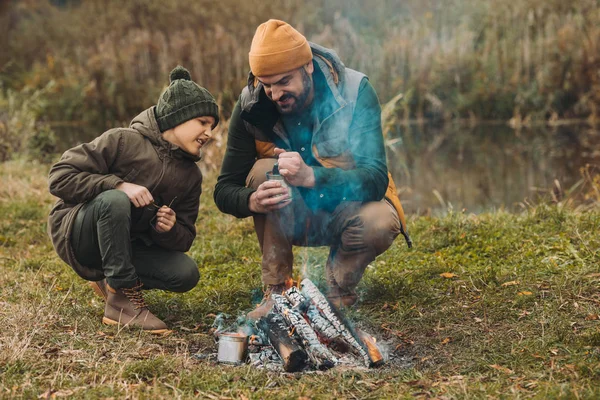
(98, 290)
(108, 321)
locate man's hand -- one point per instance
(165, 219)
(293, 168)
(138, 195)
(269, 196)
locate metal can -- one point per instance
(276, 177)
(232, 348)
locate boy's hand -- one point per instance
(139, 195)
(165, 219)
(293, 168)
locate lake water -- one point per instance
(479, 168)
(487, 166)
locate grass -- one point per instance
(494, 305)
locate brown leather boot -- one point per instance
(266, 304)
(99, 288)
(126, 307)
(339, 297)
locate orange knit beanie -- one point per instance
(277, 48)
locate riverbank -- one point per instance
(495, 304)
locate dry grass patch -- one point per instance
(485, 306)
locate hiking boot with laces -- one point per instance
(126, 307)
(267, 302)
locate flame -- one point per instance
(372, 349)
(371, 343)
(289, 282)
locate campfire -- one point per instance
(305, 332)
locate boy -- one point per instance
(129, 199)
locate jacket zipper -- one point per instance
(162, 172)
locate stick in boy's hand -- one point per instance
(165, 219)
(138, 195)
(293, 168)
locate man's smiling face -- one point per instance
(291, 91)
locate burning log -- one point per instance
(322, 304)
(317, 353)
(285, 344)
(319, 323)
(294, 296)
(374, 353)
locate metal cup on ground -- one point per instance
(232, 348)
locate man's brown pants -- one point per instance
(355, 232)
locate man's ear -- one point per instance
(309, 68)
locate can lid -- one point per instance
(233, 337)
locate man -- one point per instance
(321, 123)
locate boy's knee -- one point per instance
(186, 277)
(258, 173)
(115, 201)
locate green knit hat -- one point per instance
(184, 100)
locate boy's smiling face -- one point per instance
(192, 135)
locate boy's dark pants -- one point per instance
(355, 232)
(101, 239)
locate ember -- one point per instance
(328, 312)
(371, 343)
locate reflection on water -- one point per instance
(487, 166)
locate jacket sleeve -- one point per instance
(83, 171)
(231, 194)
(368, 181)
(183, 233)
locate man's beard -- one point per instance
(299, 101)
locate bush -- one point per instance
(22, 130)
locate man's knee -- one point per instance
(185, 275)
(258, 173)
(382, 224)
(375, 226)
